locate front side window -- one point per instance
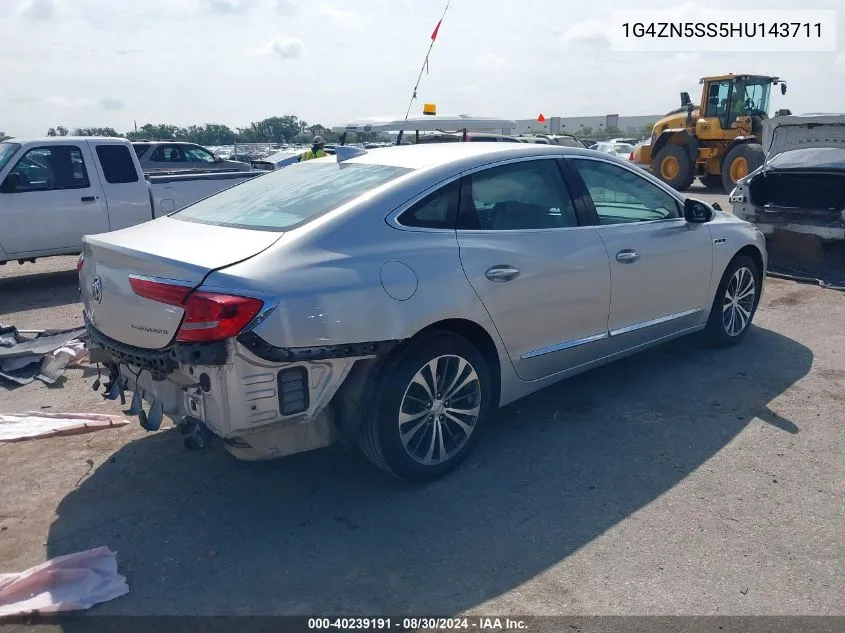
(198, 154)
(48, 169)
(622, 196)
(523, 195)
(286, 198)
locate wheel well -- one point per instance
(739, 140)
(482, 341)
(754, 253)
(680, 137)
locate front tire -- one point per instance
(735, 303)
(432, 402)
(674, 166)
(739, 162)
(711, 181)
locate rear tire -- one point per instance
(711, 181)
(430, 406)
(674, 166)
(739, 162)
(734, 306)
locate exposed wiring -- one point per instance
(804, 279)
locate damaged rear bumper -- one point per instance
(261, 401)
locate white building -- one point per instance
(576, 125)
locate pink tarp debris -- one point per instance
(67, 583)
(15, 427)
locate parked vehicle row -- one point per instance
(55, 190)
(158, 156)
(394, 298)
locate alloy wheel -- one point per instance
(738, 303)
(439, 409)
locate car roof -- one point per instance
(434, 154)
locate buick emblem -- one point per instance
(97, 289)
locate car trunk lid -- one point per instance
(166, 249)
(784, 133)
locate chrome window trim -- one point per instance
(392, 218)
(564, 345)
(651, 322)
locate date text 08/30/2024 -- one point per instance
(418, 623)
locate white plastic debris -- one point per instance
(67, 583)
(15, 427)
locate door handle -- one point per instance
(627, 256)
(87, 198)
(501, 273)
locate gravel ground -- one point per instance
(680, 481)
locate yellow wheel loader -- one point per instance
(719, 140)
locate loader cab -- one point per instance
(728, 98)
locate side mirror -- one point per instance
(11, 184)
(783, 89)
(685, 100)
(217, 159)
(697, 212)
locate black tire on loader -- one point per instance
(711, 181)
(674, 166)
(739, 162)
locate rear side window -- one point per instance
(289, 197)
(438, 210)
(140, 148)
(117, 164)
(518, 196)
(48, 169)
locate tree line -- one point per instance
(277, 129)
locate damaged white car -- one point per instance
(395, 298)
(801, 186)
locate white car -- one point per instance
(625, 151)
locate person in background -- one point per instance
(316, 150)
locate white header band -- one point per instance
(698, 29)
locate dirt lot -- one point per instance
(680, 481)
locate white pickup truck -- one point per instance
(55, 190)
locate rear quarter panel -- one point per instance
(356, 280)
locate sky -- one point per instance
(86, 63)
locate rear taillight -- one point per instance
(171, 294)
(212, 317)
(79, 262)
(631, 156)
(209, 316)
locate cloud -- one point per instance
(336, 14)
(588, 32)
(285, 7)
(112, 104)
(38, 9)
(126, 51)
(283, 47)
(68, 102)
(491, 61)
(229, 6)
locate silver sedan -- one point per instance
(395, 298)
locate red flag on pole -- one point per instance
(541, 118)
(436, 28)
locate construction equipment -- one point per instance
(719, 140)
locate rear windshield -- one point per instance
(7, 150)
(286, 198)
